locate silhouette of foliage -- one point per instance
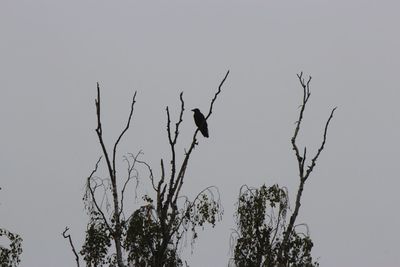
(261, 217)
(143, 239)
(97, 242)
(10, 256)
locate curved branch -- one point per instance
(124, 131)
(130, 169)
(94, 199)
(216, 94)
(313, 161)
(71, 244)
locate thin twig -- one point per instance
(94, 199)
(180, 117)
(173, 154)
(71, 244)
(130, 169)
(313, 161)
(151, 177)
(125, 129)
(216, 94)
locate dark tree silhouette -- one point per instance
(10, 255)
(263, 236)
(152, 233)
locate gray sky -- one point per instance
(53, 52)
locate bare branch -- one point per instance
(169, 126)
(64, 234)
(172, 145)
(180, 117)
(306, 95)
(182, 171)
(172, 142)
(301, 163)
(88, 186)
(160, 194)
(314, 160)
(151, 177)
(216, 94)
(162, 171)
(304, 158)
(130, 170)
(124, 131)
(164, 206)
(99, 131)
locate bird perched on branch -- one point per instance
(200, 121)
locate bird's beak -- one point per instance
(193, 110)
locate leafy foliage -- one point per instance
(300, 251)
(150, 242)
(261, 221)
(10, 257)
(96, 244)
(143, 240)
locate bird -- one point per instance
(200, 121)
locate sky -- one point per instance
(52, 53)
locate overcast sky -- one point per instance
(52, 53)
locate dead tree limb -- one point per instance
(304, 173)
(117, 229)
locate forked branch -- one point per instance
(301, 161)
(124, 130)
(182, 170)
(116, 230)
(99, 131)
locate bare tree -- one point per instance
(263, 237)
(151, 234)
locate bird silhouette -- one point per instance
(200, 121)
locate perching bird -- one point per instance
(200, 121)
